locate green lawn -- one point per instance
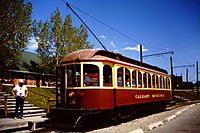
(37, 99)
(189, 94)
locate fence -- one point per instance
(5, 105)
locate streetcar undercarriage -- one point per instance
(78, 119)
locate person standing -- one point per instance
(20, 91)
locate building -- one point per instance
(180, 84)
(28, 70)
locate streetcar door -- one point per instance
(60, 85)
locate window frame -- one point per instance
(66, 75)
(149, 80)
(134, 85)
(145, 84)
(129, 77)
(140, 79)
(112, 83)
(122, 76)
(92, 77)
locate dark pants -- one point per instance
(19, 103)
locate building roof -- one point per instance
(28, 64)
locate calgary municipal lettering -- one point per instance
(141, 96)
(157, 95)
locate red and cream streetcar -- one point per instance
(97, 81)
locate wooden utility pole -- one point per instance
(186, 74)
(197, 71)
(141, 60)
(172, 76)
(171, 66)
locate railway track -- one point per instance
(140, 114)
(140, 118)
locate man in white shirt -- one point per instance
(20, 91)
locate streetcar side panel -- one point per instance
(97, 98)
(133, 96)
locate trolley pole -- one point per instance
(68, 5)
(197, 71)
(141, 60)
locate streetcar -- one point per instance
(98, 83)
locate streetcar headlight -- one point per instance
(71, 94)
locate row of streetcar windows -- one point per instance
(125, 77)
(141, 79)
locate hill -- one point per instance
(29, 62)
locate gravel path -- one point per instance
(138, 123)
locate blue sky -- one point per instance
(160, 25)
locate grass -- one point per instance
(39, 100)
(34, 98)
(189, 94)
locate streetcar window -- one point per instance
(168, 83)
(73, 75)
(145, 80)
(107, 75)
(139, 79)
(157, 81)
(127, 78)
(164, 82)
(134, 82)
(161, 82)
(120, 73)
(153, 81)
(149, 80)
(91, 75)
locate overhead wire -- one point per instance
(67, 4)
(117, 31)
(123, 34)
(112, 28)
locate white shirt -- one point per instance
(20, 91)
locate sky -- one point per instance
(159, 25)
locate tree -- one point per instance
(15, 22)
(42, 32)
(56, 38)
(56, 23)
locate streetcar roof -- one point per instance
(103, 55)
